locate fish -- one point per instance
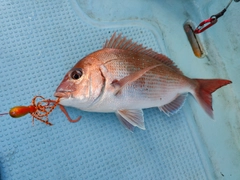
(125, 77)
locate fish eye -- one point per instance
(76, 74)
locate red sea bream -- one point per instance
(124, 77)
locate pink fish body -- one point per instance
(125, 78)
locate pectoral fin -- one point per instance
(120, 84)
(131, 118)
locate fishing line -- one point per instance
(2, 114)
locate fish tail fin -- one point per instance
(204, 90)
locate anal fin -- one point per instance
(131, 118)
(174, 106)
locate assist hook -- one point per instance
(207, 23)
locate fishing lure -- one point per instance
(39, 110)
(63, 110)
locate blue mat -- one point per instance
(39, 42)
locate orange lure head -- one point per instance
(19, 111)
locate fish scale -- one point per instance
(125, 77)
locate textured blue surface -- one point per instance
(39, 42)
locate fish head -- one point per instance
(82, 84)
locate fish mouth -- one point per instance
(65, 89)
(62, 94)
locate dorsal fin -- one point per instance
(119, 42)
